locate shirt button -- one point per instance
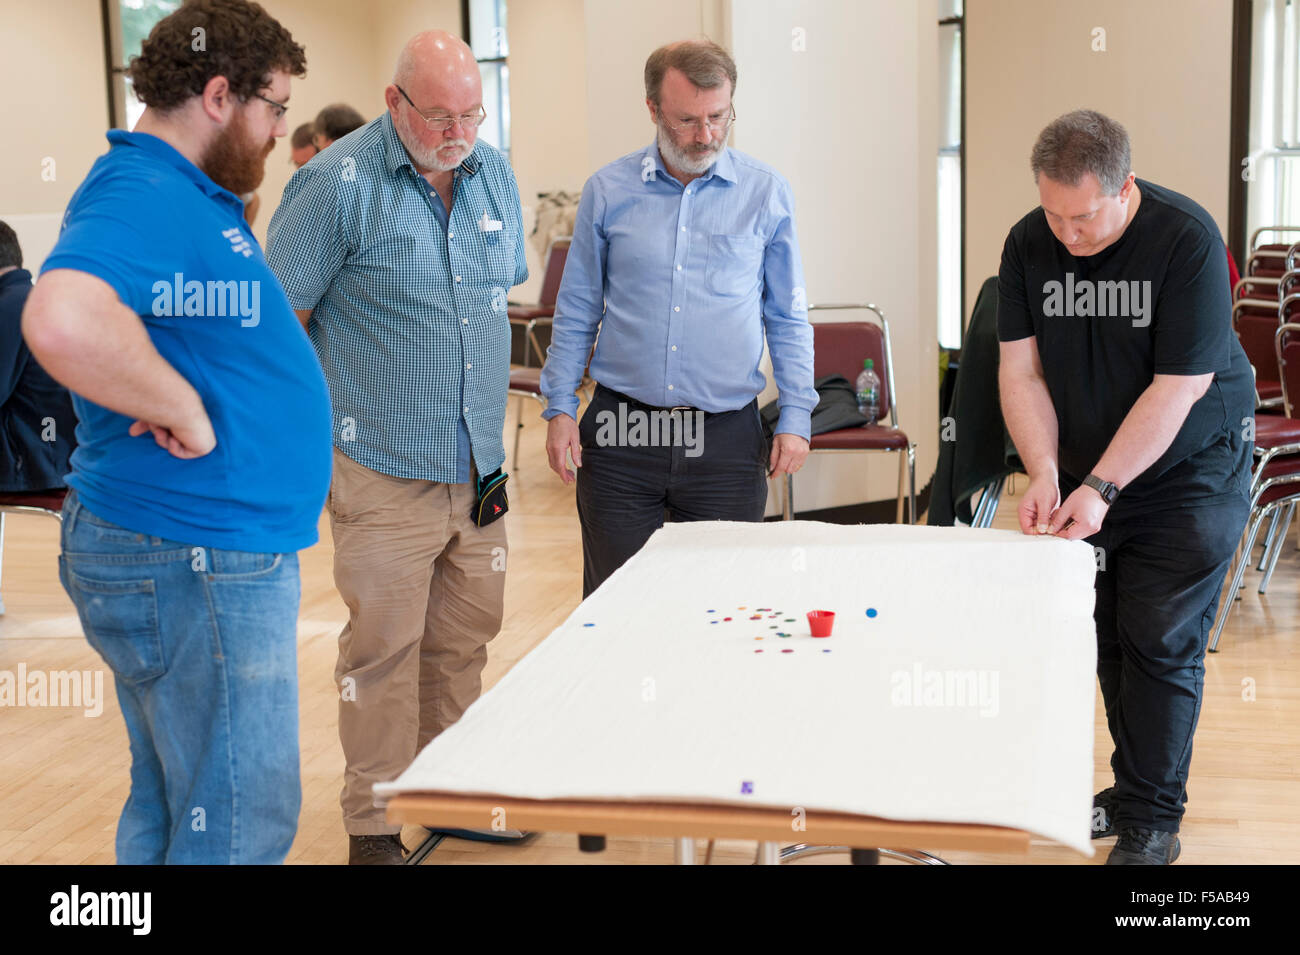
(683, 228)
(451, 235)
(677, 308)
(674, 348)
(468, 367)
(464, 321)
(466, 410)
(679, 268)
(457, 278)
(670, 387)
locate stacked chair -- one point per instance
(1266, 310)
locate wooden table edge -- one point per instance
(696, 820)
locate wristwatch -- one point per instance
(1107, 490)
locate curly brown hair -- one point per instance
(206, 38)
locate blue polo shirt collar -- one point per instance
(724, 167)
(396, 156)
(164, 151)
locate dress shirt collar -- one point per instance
(724, 167)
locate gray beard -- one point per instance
(679, 159)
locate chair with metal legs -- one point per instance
(49, 503)
(1274, 489)
(839, 349)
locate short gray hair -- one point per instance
(1079, 143)
(703, 62)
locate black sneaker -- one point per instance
(376, 850)
(1103, 813)
(1144, 847)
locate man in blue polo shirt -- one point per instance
(157, 309)
(397, 246)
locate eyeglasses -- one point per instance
(443, 123)
(693, 126)
(279, 108)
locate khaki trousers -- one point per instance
(425, 589)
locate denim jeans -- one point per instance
(202, 645)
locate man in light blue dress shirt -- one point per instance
(684, 255)
(397, 246)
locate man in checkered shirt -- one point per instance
(396, 247)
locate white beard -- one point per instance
(430, 158)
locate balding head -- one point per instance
(440, 78)
(437, 63)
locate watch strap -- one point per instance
(1107, 490)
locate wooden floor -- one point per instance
(64, 775)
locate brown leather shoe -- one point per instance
(376, 850)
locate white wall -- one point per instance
(1166, 75)
(55, 113)
(619, 37)
(851, 121)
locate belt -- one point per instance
(641, 405)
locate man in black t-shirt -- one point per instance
(1131, 404)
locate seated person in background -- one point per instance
(37, 422)
(334, 122)
(301, 145)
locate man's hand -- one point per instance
(1080, 516)
(561, 436)
(789, 451)
(1036, 507)
(193, 440)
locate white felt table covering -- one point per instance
(654, 703)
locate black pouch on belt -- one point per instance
(490, 501)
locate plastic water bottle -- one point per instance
(868, 389)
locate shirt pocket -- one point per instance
(499, 251)
(735, 264)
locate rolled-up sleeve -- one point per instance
(785, 319)
(579, 307)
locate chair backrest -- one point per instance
(1267, 261)
(1289, 308)
(1287, 348)
(840, 347)
(1282, 231)
(1254, 287)
(1288, 283)
(1257, 335)
(555, 259)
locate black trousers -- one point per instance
(1158, 584)
(627, 486)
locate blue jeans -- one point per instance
(202, 645)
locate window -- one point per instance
(128, 22)
(485, 32)
(1272, 169)
(950, 175)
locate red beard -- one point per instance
(234, 163)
